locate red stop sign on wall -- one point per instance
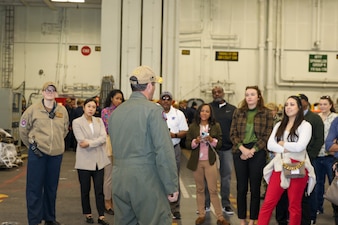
(85, 50)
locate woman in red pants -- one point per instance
(288, 140)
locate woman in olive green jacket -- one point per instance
(203, 136)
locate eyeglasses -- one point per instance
(166, 98)
(52, 90)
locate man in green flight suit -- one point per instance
(144, 167)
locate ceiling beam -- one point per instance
(24, 2)
(49, 4)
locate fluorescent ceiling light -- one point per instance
(74, 1)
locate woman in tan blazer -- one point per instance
(91, 158)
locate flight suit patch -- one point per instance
(59, 115)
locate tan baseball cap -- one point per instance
(144, 75)
(47, 84)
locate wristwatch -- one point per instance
(176, 136)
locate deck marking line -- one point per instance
(184, 191)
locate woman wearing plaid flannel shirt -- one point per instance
(250, 130)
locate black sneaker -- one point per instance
(319, 212)
(102, 221)
(228, 210)
(89, 219)
(177, 215)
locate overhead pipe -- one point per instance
(60, 45)
(65, 59)
(202, 65)
(269, 66)
(316, 11)
(162, 44)
(278, 38)
(318, 41)
(120, 3)
(261, 45)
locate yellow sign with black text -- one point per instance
(227, 56)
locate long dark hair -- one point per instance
(293, 136)
(260, 104)
(211, 119)
(328, 98)
(111, 94)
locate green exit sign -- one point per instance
(318, 63)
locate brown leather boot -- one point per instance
(200, 220)
(223, 222)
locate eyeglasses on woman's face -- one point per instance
(50, 90)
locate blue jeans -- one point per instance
(226, 161)
(323, 168)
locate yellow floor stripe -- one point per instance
(232, 199)
(2, 197)
(184, 191)
(186, 153)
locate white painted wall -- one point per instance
(41, 42)
(149, 36)
(280, 69)
(273, 38)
